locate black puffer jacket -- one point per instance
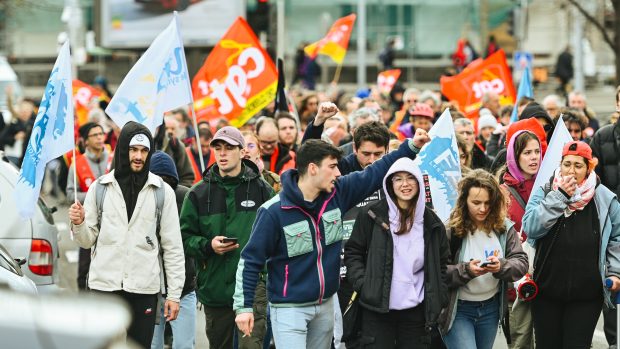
(369, 256)
(606, 148)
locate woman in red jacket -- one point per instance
(523, 158)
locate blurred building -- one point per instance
(426, 32)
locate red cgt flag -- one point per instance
(83, 95)
(481, 76)
(387, 79)
(336, 42)
(237, 80)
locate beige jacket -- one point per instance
(126, 255)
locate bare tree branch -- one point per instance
(596, 24)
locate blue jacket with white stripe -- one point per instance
(301, 241)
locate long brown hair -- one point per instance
(460, 221)
(405, 215)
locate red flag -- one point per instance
(387, 79)
(481, 76)
(83, 95)
(237, 80)
(336, 42)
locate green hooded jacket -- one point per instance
(220, 206)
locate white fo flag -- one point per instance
(439, 160)
(553, 155)
(157, 83)
(52, 134)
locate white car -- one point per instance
(35, 240)
(11, 275)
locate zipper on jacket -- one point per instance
(319, 248)
(285, 281)
(319, 261)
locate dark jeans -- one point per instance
(83, 267)
(143, 308)
(396, 329)
(562, 324)
(610, 323)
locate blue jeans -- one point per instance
(475, 325)
(309, 326)
(183, 328)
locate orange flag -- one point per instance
(83, 95)
(481, 76)
(336, 42)
(387, 79)
(237, 80)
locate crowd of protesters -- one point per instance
(308, 227)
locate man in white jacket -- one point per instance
(125, 244)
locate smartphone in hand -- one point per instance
(229, 240)
(486, 264)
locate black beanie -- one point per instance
(85, 129)
(535, 110)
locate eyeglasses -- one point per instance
(98, 134)
(251, 146)
(398, 181)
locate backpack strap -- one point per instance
(517, 197)
(100, 190)
(160, 195)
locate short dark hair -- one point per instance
(284, 115)
(374, 132)
(314, 151)
(574, 116)
(204, 132)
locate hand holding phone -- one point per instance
(486, 264)
(229, 240)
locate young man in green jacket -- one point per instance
(216, 221)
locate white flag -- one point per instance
(52, 134)
(439, 160)
(157, 83)
(553, 156)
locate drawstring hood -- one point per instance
(405, 165)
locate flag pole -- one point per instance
(337, 74)
(198, 146)
(191, 95)
(75, 188)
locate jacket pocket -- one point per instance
(332, 222)
(298, 238)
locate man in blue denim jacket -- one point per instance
(298, 234)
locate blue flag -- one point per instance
(52, 134)
(439, 160)
(525, 90)
(157, 83)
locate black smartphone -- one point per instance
(485, 264)
(229, 240)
